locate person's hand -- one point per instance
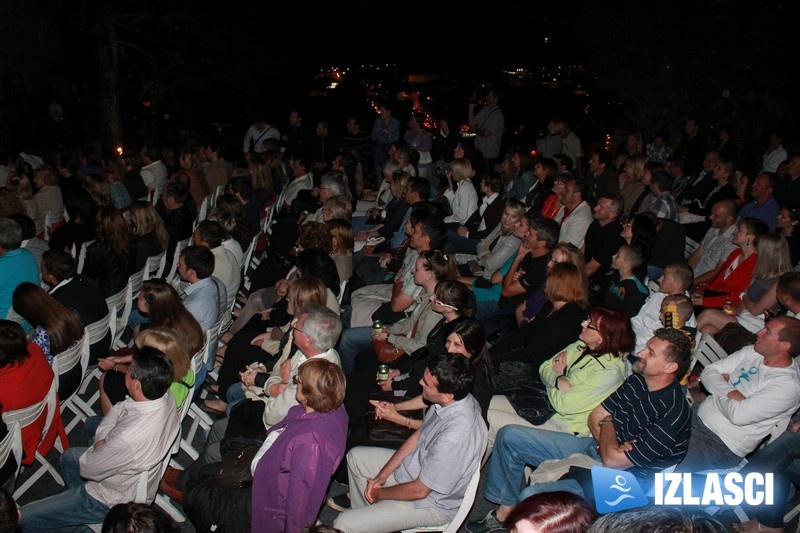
(362, 235)
(248, 377)
(463, 231)
(518, 274)
(385, 410)
(683, 209)
(560, 363)
(697, 299)
(106, 363)
(286, 370)
(736, 395)
(726, 377)
(382, 336)
(626, 446)
(259, 339)
(795, 427)
(282, 285)
(385, 386)
(384, 260)
(98, 443)
(264, 314)
(374, 486)
(275, 334)
(276, 389)
(371, 213)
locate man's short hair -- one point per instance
(550, 165)
(772, 179)
(335, 182)
(153, 369)
(243, 185)
(562, 159)
(790, 333)
(138, 517)
(662, 180)
(421, 186)
(632, 254)
(59, 264)
(789, 284)
(435, 229)
(322, 326)
(679, 350)
(603, 157)
(9, 517)
(682, 273)
(454, 373)
(616, 202)
(676, 161)
(200, 259)
(10, 234)
(579, 187)
(493, 181)
(547, 230)
(212, 233)
(152, 150)
(178, 191)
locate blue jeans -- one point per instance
(353, 341)
(235, 395)
(69, 510)
(456, 244)
(517, 446)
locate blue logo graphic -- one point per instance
(616, 490)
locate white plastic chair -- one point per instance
(219, 191)
(180, 246)
(342, 288)
(463, 509)
(82, 255)
(12, 443)
(123, 303)
(202, 212)
(155, 266)
(708, 351)
(95, 332)
(27, 416)
(64, 362)
(53, 220)
(690, 246)
(136, 279)
(201, 419)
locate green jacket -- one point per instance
(593, 378)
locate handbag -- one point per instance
(385, 352)
(382, 431)
(235, 470)
(531, 402)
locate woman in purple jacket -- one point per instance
(291, 470)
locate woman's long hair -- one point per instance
(165, 308)
(147, 219)
(773, 257)
(113, 231)
(169, 342)
(63, 325)
(474, 339)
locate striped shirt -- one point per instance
(659, 421)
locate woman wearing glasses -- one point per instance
(576, 378)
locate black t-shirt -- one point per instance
(535, 269)
(602, 242)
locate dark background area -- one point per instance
(173, 69)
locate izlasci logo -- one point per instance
(616, 490)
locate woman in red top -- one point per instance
(25, 379)
(734, 277)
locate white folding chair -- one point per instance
(201, 419)
(219, 191)
(82, 254)
(463, 509)
(198, 361)
(123, 303)
(53, 220)
(74, 356)
(136, 279)
(202, 212)
(12, 443)
(180, 246)
(27, 416)
(95, 332)
(708, 351)
(690, 246)
(155, 266)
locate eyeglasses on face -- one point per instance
(441, 303)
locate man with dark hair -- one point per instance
(603, 239)
(602, 178)
(674, 165)
(789, 189)
(300, 180)
(489, 125)
(642, 427)
(242, 188)
(486, 217)
(424, 482)
(206, 296)
(663, 205)
(177, 216)
(752, 391)
(763, 206)
(76, 292)
(154, 172)
(692, 146)
(218, 172)
(545, 170)
(17, 265)
(577, 213)
(210, 234)
(135, 437)
(528, 270)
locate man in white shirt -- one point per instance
(716, 246)
(210, 234)
(752, 392)
(154, 172)
(257, 134)
(134, 437)
(579, 217)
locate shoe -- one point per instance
(169, 484)
(487, 524)
(340, 503)
(210, 409)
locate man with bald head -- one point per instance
(717, 244)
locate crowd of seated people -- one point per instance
(524, 312)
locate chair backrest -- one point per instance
(179, 247)
(82, 254)
(219, 191)
(136, 279)
(73, 356)
(155, 265)
(342, 289)
(202, 212)
(151, 478)
(12, 443)
(121, 303)
(28, 415)
(690, 246)
(52, 221)
(708, 351)
(248, 255)
(463, 510)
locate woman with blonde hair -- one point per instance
(149, 231)
(342, 241)
(48, 198)
(191, 163)
(169, 342)
(263, 180)
(630, 181)
(21, 186)
(98, 190)
(162, 305)
(460, 192)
